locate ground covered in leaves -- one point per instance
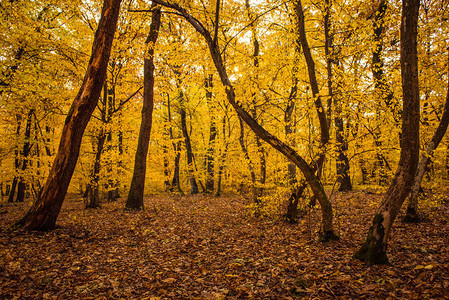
(202, 247)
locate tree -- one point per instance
(44, 212)
(373, 251)
(136, 190)
(210, 158)
(342, 161)
(412, 206)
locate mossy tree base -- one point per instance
(373, 251)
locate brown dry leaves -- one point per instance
(210, 248)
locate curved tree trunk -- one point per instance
(136, 189)
(43, 214)
(313, 181)
(373, 251)
(412, 207)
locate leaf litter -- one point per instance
(204, 247)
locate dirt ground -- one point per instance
(203, 247)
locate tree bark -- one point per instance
(373, 251)
(136, 189)
(324, 126)
(342, 162)
(43, 214)
(93, 196)
(21, 186)
(223, 156)
(191, 167)
(296, 191)
(412, 207)
(212, 136)
(16, 161)
(176, 182)
(260, 151)
(248, 160)
(381, 87)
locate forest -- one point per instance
(224, 149)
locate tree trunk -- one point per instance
(176, 181)
(373, 251)
(223, 157)
(212, 136)
(190, 162)
(21, 186)
(136, 189)
(324, 126)
(381, 88)
(16, 160)
(94, 194)
(249, 162)
(412, 207)
(314, 182)
(12, 190)
(43, 214)
(166, 170)
(292, 206)
(258, 190)
(342, 162)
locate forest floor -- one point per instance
(203, 247)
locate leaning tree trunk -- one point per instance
(373, 251)
(314, 182)
(43, 214)
(135, 196)
(412, 207)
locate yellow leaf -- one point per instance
(419, 267)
